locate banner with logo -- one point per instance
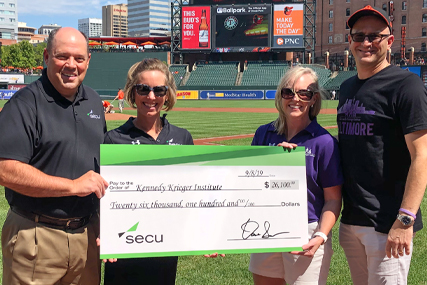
(231, 94)
(12, 78)
(288, 26)
(6, 94)
(173, 200)
(196, 27)
(187, 94)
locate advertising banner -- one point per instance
(16, 86)
(196, 27)
(270, 94)
(6, 94)
(288, 26)
(242, 28)
(187, 94)
(414, 69)
(174, 200)
(232, 94)
(12, 78)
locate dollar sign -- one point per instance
(266, 184)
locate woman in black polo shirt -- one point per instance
(150, 88)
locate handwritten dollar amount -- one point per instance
(282, 184)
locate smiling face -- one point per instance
(150, 105)
(295, 109)
(67, 61)
(370, 54)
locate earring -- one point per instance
(312, 106)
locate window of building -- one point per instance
(347, 12)
(331, 2)
(12, 20)
(424, 3)
(424, 18)
(346, 38)
(346, 26)
(403, 20)
(11, 5)
(330, 39)
(1, 19)
(331, 27)
(423, 46)
(404, 5)
(347, 1)
(424, 32)
(1, 4)
(331, 14)
(385, 7)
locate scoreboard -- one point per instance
(243, 28)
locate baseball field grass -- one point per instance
(232, 269)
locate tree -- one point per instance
(12, 56)
(38, 53)
(27, 56)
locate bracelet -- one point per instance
(322, 235)
(408, 213)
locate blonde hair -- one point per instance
(150, 64)
(288, 80)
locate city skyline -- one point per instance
(64, 13)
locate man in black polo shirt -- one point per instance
(49, 159)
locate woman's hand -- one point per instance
(310, 248)
(213, 255)
(288, 146)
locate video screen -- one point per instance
(242, 30)
(229, 2)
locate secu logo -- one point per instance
(148, 238)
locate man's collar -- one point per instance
(51, 94)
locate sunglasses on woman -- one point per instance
(303, 95)
(144, 90)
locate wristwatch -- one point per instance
(407, 221)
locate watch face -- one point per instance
(406, 220)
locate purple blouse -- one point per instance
(322, 160)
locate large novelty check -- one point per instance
(188, 200)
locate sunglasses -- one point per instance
(372, 38)
(303, 95)
(144, 90)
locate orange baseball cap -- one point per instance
(368, 11)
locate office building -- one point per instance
(46, 29)
(115, 20)
(149, 18)
(91, 27)
(8, 21)
(332, 31)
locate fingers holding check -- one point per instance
(288, 146)
(310, 248)
(88, 183)
(214, 255)
(98, 243)
(399, 240)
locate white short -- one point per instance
(295, 269)
(365, 252)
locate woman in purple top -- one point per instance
(298, 101)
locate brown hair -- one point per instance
(150, 64)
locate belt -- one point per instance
(56, 223)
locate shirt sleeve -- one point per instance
(329, 165)
(19, 134)
(411, 105)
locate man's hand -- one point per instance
(88, 183)
(399, 240)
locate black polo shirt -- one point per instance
(61, 138)
(129, 134)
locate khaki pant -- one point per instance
(39, 255)
(365, 252)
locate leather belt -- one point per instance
(56, 223)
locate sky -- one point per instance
(62, 12)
